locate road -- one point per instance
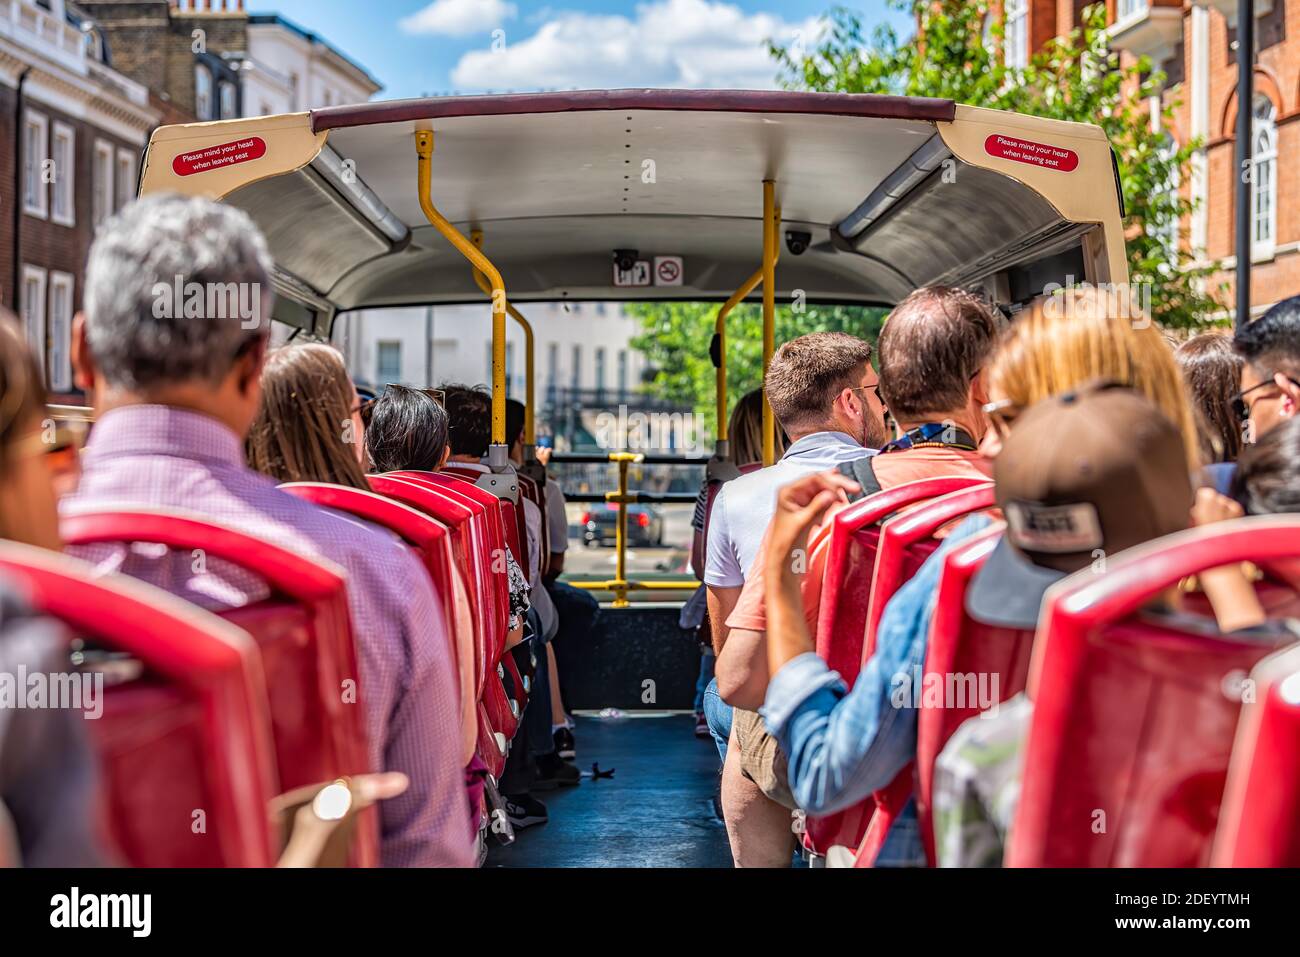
(668, 561)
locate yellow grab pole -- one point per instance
(769, 311)
(720, 330)
(498, 457)
(530, 428)
(620, 583)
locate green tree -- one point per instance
(675, 339)
(1076, 77)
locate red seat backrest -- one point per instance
(905, 542)
(303, 630)
(1134, 713)
(189, 731)
(852, 539)
(1259, 825)
(469, 522)
(514, 525)
(429, 540)
(960, 645)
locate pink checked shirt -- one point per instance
(158, 456)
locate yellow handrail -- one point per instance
(530, 430)
(769, 311)
(497, 456)
(720, 329)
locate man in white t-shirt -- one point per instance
(822, 390)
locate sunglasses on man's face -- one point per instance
(1241, 408)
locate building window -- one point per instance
(1016, 38)
(1130, 8)
(63, 209)
(576, 372)
(1264, 212)
(552, 370)
(510, 368)
(293, 92)
(229, 100)
(33, 309)
(1168, 232)
(125, 191)
(622, 374)
(104, 174)
(60, 332)
(600, 374)
(202, 92)
(390, 362)
(36, 141)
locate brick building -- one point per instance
(77, 129)
(1194, 42)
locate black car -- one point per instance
(645, 525)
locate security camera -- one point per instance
(797, 241)
(625, 259)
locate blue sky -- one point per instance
(419, 47)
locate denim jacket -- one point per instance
(843, 745)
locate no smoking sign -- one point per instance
(668, 270)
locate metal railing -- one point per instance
(622, 497)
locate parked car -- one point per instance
(645, 525)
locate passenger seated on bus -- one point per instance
(175, 395)
(1212, 370)
(933, 350)
(1270, 379)
(1267, 482)
(822, 390)
(48, 779)
(469, 418)
(745, 436)
(305, 429)
(550, 596)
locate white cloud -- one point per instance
(669, 43)
(458, 18)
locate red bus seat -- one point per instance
(1134, 713)
(903, 543)
(958, 644)
(1259, 825)
(514, 524)
(851, 540)
(429, 540)
(471, 546)
(503, 534)
(189, 731)
(303, 631)
(530, 490)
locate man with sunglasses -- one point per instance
(1270, 380)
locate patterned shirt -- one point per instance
(977, 785)
(158, 456)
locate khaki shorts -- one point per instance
(761, 758)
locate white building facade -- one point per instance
(289, 69)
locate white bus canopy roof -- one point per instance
(893, 192)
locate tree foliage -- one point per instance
(1077, 77)
(675, 339)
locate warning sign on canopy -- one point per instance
(1035, 154)
(216, 157)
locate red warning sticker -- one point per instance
(216, 157)
(1035, 154)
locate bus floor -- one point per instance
(656, 811)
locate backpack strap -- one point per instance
(864, 473)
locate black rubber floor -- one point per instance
(657, 810)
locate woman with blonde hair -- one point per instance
(1061, 342)
(308, 424)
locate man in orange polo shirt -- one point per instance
(932, 350)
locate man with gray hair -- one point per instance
(171, 347)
